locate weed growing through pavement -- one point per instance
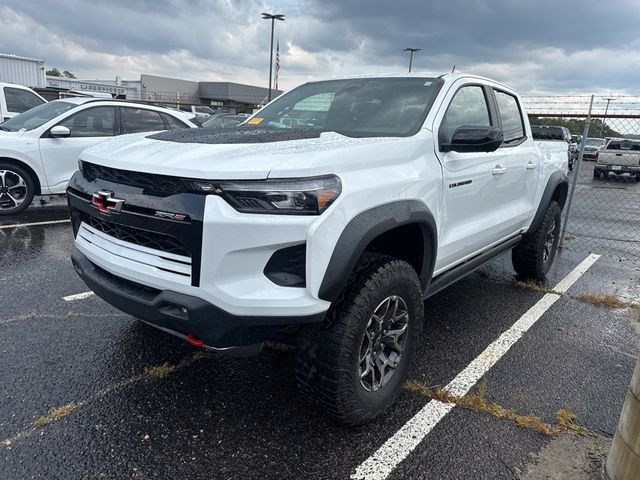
(565, 419)
(536, 287)
(55, 414)
(606, 300)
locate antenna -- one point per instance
(453, 69)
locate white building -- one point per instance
(22, 70)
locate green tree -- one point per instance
(68, 74)
(54, 72)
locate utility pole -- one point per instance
(411, 52)
(605, 114)
(273, 18)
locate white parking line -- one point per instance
(379, 465)
(78, 296)
(52, 222)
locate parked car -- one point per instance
(592, 147)
(201, 112)
(16, 99)
(619, 157)
(224, 120)
(553, 133)
(337, 231)
(39, 149)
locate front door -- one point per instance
(60, 155)
(473, 182)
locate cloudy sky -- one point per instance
(536, 46)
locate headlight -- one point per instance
(302, 196)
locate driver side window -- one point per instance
(468, 107)
(92, 122)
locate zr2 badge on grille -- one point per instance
(106, 203)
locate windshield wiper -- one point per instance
(5, 128)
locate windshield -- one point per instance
(36, 116)
(354, 107)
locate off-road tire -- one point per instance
(30, 190)
(528, 257)
(327, 364)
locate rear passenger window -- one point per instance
(140, 120)
(512, 124)
(468, 107)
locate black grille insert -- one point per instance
(151, 183)
(144, 238)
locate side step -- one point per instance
(449, 277)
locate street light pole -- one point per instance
(411, 52)
(273, 18)
(606, 109)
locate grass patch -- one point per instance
(536, 287)
(161, 371)
(610, 301)
(477, 402)
(55, 414)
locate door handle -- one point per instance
(498, 170)
(531, 166)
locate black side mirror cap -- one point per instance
(472, 138)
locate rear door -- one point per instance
(522, 162)
(473, 182)
(60, 155)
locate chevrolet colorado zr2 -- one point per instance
(333, 212)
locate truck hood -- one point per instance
(241, 156)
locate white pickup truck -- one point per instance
(389, 189)
(618, 157)
(16, 99)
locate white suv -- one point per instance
(39, 148)
(394, 188)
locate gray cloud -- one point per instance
(542, 46)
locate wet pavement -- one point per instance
(204, 416)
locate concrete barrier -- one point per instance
(623, 462)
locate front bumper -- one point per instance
(183, 315)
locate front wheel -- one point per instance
(353, 366)
(17, 189)
(533, 256)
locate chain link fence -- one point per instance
(605, 213)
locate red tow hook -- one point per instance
(195, 341)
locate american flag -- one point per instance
(277, 63)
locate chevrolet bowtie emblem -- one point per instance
(106, 202)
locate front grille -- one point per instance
(151, 183)
(153, 240)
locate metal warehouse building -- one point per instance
(22, 70)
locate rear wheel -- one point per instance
(596, 174)
(534, 255)
(637, 177)
(353, 366)
(17, 189)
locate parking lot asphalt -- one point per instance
(136, 403)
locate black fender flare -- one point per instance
(367, 226)
(557, 179)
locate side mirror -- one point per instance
(60, 132)
(471, 138)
